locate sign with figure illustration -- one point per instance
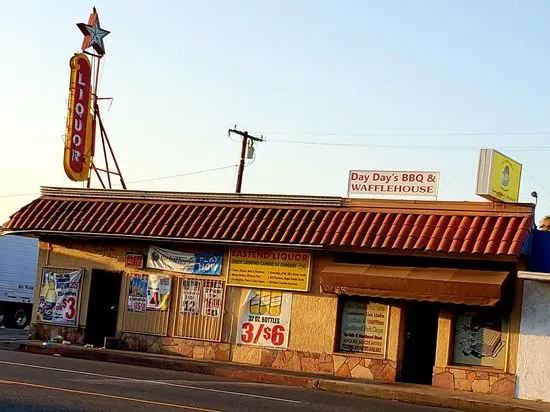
(480, 339)
(264, 319)
(59, 296)
(158, 292)
(498, 177)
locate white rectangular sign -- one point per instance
(264, 319)
(393, 183)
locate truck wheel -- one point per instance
(2, 316)
(20, 319)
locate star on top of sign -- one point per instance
(93, 34)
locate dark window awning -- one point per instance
(459, 286)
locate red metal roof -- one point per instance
(463, 228)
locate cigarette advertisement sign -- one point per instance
(190, 296)
(264, 319)
(181, 262)
(364, 327)
(480, 339)
(269, 269)
(137, 296)
(158, 292)
(59, 297)
(393, 183)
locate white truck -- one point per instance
(18, 263)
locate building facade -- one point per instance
(419, 291)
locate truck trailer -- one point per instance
(18, 265)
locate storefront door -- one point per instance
(101, 320)
(420, 342)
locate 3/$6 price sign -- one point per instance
(262, 334)
(264, 318)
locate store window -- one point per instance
(481, 338)
(363, 326)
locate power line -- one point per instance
(282, 133)
(184, 174)
(411, 147)
(19, 194)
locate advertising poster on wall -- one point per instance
(137, 295)
(480, 339)
(264, 319)
(363, 327)
(158, 292)
(212, 294)
(498, 177)
(269, 269)
(59, 297)
(181, 262)
(190, 296)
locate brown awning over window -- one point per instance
(468, 287)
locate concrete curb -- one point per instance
(408, 394)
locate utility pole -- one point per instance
(246, 137)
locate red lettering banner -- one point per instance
(78, 140)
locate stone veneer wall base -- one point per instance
(476, 381)
(309, 362)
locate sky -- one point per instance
(331, 85)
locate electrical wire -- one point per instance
(396, 146)
(183, 174)
(19, 195)
(281, 133)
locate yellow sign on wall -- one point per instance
(499, 177)
(269, 269)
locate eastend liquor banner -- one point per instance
(269, 269)
(59, 297)
(264, 319)
(181, 262)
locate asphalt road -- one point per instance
(13, 334)
(31, 382)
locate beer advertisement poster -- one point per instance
(264, 319)
(59, 297)
(137, 295)
(158, 292)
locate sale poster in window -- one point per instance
(137, 295)
(212, 294)
(264, 319)
(190, 296)
(59, 297)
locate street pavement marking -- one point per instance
(104, 395)
(123, 378)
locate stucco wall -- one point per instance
(534, 343)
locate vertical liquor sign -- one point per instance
(78, 141)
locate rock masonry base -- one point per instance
(464, 379)
(323, 363)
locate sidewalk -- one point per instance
(415, 394)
